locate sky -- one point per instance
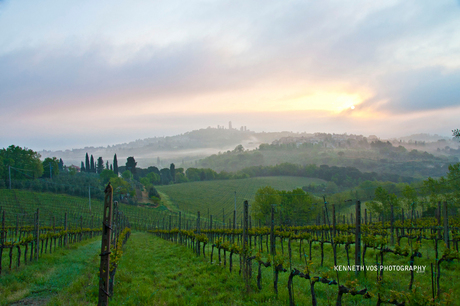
(96, 73)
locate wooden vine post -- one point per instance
(37, 233)
(333, 221)
(446, 224)
(2, 242)
(198, 231)
(438, 216)
(17, 225)
(402, 221)
(245, 245)
(272, 233)
(358, 237)
(234, 226)
(180, 228)
(105, 248)
(392, 226)
(210, 228)
(65, 229)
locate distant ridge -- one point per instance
(424, 137)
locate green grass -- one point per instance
(217, 195)
(41, 280)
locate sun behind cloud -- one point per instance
(335, 102)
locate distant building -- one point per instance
(76, 167)
(373, 138)
(229, 125)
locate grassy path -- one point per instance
(158, 272)
(37, 282)
(153, 271)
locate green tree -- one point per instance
(51, 167)
(2, 171)
(453, 178)
(368, 188)
(121, 187)
(331, 188)
(180, 176)
(146, 183)
(435, 189)
(100, 165)
(239, 149)
(72, 170)
(154, 195)
(106, 175)
(264, 198)
(165, 175)
(409, 197)
(25, 160)
(383, 201)
(131, 165)
(193, 174)
(127, 175)
(154, 178)
(296, 207)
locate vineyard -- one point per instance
(28, 232)
(340, 259)
(411, 261)
(218, 196)
(21, 205)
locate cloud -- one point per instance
(166, 58)
(36, 78)
(417, 90)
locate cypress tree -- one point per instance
(172, 169)
(107, 165)
(100, 165)
(115, 164)
(131, 165)
(93, 168)
(87, 165)
(82, 168)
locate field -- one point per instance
(214, 197)
(20, 206)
